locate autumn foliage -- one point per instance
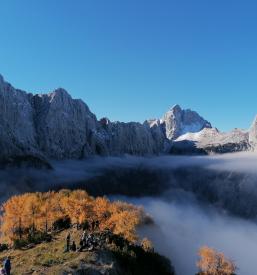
(212, 262)
(147, 245)
(38, 212)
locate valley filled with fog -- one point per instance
(182, 228)
(195, 201)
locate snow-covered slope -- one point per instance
(210, 140)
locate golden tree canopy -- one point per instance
(31, 212)
(212, 262)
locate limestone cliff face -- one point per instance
(59, 127)
(17, 132)
(253, 135)
(63, 125)
(56, 126)
(132, 138)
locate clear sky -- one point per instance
(133, 59)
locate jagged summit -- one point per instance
(175, 108)
(55, 125)
(4, 83)
(56, 92)
(179, 122)
(60, 92)
(1, 78)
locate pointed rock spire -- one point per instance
(178, 122)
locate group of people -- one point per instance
(6, 269)
(89, 241)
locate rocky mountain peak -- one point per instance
(176, 108)
(59, 94)
(178, 122)
(4, 84)
(1, 79)
(57, 126)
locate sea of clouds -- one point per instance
(203, 203)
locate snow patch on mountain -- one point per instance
(178, 122)
(211, 140)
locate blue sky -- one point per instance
(133, 59)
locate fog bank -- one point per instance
(194, 201)
(181, 229)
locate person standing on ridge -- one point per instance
(7, 266)
(68, 242)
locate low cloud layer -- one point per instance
(195, 201)
(181, 229)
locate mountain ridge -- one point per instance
(56, 126)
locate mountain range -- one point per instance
(56, 126)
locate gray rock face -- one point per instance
(131, 138)
(63, 125)
(159, 134)
(178, 122)
(56, 126)
(17, 132)
(211, 141)
(253, 135)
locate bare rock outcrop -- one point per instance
(211, 141)
(253, 135)
(63, 125)
(17, 132)
(132, 138)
